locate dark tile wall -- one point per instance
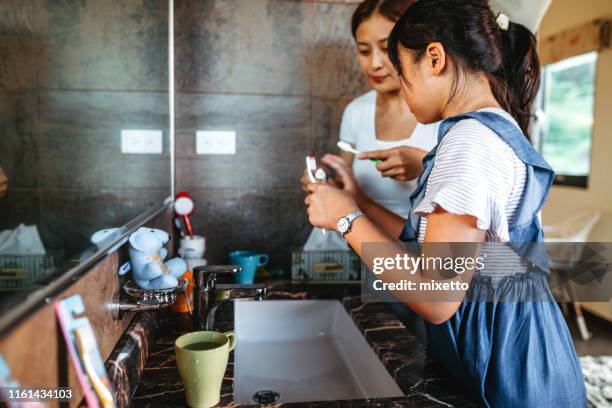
(73, 73)
(279, 73)
(18, 143)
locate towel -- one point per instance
(23, 240)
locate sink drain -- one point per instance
(266, 397)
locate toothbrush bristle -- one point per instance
(345, 146)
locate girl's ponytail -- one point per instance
(477, 41)
(519, 73)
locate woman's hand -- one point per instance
(402, 163)
(3, 183)
(326, 204)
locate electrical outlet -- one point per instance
(215, 142)
(138, 141)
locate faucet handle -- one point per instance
(204, 276)
(260, 289)
(240, 286)
(218, 268)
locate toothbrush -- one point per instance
(311, 167)
(86, 342)
(179, 226)
(348, 148)
(315, 175)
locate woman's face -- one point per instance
(371, 38)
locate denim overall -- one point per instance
(508, 353)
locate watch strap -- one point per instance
(350, 218)
(353, 216)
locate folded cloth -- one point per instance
(23, 240)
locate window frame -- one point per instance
(542, 132)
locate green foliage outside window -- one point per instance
(568, 102)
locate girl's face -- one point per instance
(371, 38)
(424, 83)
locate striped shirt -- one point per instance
(476, 173)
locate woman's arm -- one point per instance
(348, 158)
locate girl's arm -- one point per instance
(389, 222)
(327, 204)
(441, 227)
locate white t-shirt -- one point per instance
(358, 128)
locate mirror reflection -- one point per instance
(83, 129)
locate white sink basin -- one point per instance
(305, 350)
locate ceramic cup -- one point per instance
(192, 247)
(201, 358)
(195, 262)
(250, 261)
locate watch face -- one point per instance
(343, 225)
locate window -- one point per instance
(566, 105)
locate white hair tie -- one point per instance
(503, 21)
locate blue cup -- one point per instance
(250, 261)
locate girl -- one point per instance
(482, 183)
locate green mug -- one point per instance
(201, 358)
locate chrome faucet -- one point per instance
(208, 294)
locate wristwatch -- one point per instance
(345, 223)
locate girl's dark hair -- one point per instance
(471, 36)
(390, 9)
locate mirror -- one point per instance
(74, 77)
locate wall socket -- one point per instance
(216, 142)
(141, 141)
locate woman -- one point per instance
(482, 183)
(381, 126)
(379, 121)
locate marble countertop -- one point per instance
(423, 380)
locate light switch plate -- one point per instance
(141, 141)
(215, 142)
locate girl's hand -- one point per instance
(402, 163)
(326, 204)
(305, 181)
(345, 173)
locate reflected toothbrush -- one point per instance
(183, 206)
(350, 149)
